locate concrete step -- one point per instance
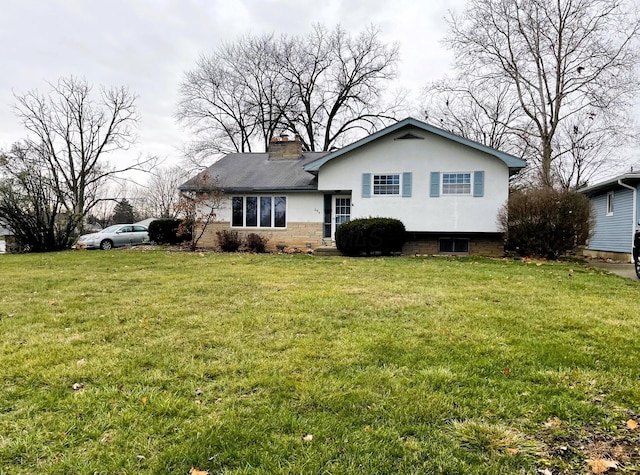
(326, 251)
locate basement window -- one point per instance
(454, 246)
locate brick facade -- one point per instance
(309, 236)
(296, 235)
(479, 245)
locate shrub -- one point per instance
(544, 222)
(229, 241)
(370, 236)
(168, 231)
(256, 243)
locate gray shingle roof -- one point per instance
(246, 172)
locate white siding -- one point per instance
(420, 212)
(301, 207)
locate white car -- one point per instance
(114, 236)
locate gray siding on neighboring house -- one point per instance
(613, 232)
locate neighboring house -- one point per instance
(5, 234)
(616, 213)
(447, 190)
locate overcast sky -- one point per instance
(147, 45)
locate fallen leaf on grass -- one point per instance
(513, 451)
(145, 400)
(506, 371)
(553, 422)
(601, 465)
(81, 362)
(77, 386)
(545, 471)
(367, 428)
(632, 425)
(195, 471)
(308, 438)
(106, 439)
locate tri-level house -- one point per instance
(447, 190)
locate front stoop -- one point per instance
(326, 251)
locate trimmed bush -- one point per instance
(229, 241)
(168, 231)
(256, 243)
(371, 236)
(544, 222)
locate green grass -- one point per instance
(229, 363)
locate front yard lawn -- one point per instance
(138, 362)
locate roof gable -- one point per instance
(512, 162)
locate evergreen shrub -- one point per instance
(371, 237)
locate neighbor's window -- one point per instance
(610, 203)
(448, 245)
(456, 183)
(386, 184)
(259, 211)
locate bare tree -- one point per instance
(69, 135)
(338, 81)
(161, 195)
(324, 87)
(478, 111)
(560, 60)
(29, 203)
(199, 204)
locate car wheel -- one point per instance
(106, 245)
(637, 264)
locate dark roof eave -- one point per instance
(228, 190)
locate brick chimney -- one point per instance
(281, 148)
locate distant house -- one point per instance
(616, 213)
(5, 233)
(447, 190)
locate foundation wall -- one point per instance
(614, 256)
(296, 235)
(488, 246)
(305, 236)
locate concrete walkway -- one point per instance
(623, 269)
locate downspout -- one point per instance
(635, 211)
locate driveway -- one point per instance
(623, 269)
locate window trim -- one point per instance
(259, 200)
(610, 203)
(469, 184)
(398, 185)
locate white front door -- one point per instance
(341, 212)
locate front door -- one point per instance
(341, 212)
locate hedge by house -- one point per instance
(371, 236)
(546, 223)
(168, 231)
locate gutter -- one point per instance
(635, 211)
